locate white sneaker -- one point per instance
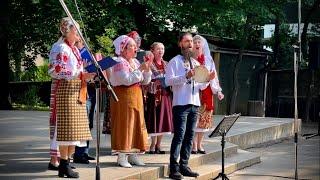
(133, 159)
(123, 161)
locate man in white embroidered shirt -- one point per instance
(186, 101)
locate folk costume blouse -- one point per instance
(185, 91)
(214, 88)
(125, 74)
(65, 61)
(68, 112)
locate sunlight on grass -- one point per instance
(38, 107)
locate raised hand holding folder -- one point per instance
(104, 63)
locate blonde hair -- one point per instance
(153, 45)
(66, 25)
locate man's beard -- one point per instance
(187, 53)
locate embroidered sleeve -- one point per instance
(214, 83)
(146, 77)
(61, 65)
(171, 78)
(121, 75)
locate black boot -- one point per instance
(52, 167)
(65, 169)
(72, 167)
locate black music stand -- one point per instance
(221, 130)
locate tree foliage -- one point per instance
(34, 23)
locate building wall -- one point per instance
(280, 99)
(250, 79)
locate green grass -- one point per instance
(40, 107)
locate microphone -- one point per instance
(191, 67)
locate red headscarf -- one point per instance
(133, 34)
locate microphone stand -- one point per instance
(191, 67)
(297, 56)
(101, 77)
(296, 48)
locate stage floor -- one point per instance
(24, 149)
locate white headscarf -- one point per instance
(120, 43)
(205, 46)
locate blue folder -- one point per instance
(104, 63)
(163, 83)
(85, 55)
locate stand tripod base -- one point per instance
(308, 136)
(97, 172)
(311, 135)
(221, 175)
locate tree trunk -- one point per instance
(304, 39)
(315, 7)
(276, 46)
(4, 68)
(140, 16)
(309, 95)
(235, 83)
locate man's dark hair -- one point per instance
(183, 34)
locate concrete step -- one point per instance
(157, 165)
(201, 159)
(250, 132)
(233, 163)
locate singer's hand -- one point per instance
(98, 56)
(148, 58)
(190, 74)
(85, 64)
(212, 75)
(220, 95)
(88, 76)
(145, 66)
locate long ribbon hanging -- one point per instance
(99, 70)
(84, 29)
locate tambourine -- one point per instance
(201, 74)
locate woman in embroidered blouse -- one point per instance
(202, 54)
(68, 117)
(159, 103)
(128, 129)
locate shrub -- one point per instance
(30, 98)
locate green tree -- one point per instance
(31, 29)
(311, 6)
(4, 68)
(103, 20)
(34, 26)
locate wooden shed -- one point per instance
(250, 76)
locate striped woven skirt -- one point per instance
(54, 147)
